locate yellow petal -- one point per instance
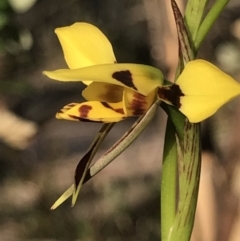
(137, 104)
(84, 45)
(93, 111)
(206, 88)
(103, 92)
(141, 78)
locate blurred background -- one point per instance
(38, 154)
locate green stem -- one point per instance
(189, 172)
(193, 16)
(209, 20)
(168, 181)
(181, 164)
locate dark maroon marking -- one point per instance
(171, 94)
(113, 93)
(83, 120)
(124, 77)
(105, 104)
(118, 110)
(182, 30)
(84, 110)
(138, 103)
(82, 165)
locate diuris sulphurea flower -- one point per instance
(117, 91)
(114, 91)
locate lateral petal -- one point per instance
(141, 78)
(92, 111)
(103, 92)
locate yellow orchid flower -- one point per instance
(117, 91)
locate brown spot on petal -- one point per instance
(138, 104)
(171, 94)
(118, 110)
(84, 110)
(105, 104)
(124, 77)
(113, 93)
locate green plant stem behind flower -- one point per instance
(197, 26)
(193, 16)
(169, 180)
(177, 225)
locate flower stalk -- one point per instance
(182, 149)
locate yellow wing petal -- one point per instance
(93, 111)
(84, 45)
(206, 88)
(137, 104)
(141, 78)
(103, 92)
